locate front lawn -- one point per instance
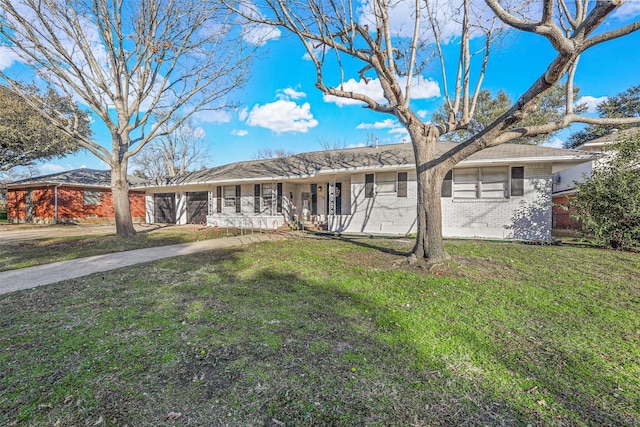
(324, 332)
(29, 253)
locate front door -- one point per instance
(306, 206)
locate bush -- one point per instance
(608, 202)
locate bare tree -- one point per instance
(340, 144)
(135, 64)
(272, 153)
(183, 150)
(334, 144)
(394, 55)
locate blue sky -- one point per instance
(281, 108)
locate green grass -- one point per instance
(30, 253)
(329, 332)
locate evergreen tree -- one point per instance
(625, 104)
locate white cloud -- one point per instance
(385, 124)
(591, 102)
(372, 89)
(7, 57)
(242, 114)
(282, 116)
(317, 52)
(260, 34)
(394, 127)
(421, 88)
(447, 14)
(48, 168)
(198, 133)
(554, 142)
(422, 113)
(399, 131)
(257, 34)
(628, 10)
(212, 116)
(240, 132)
(357, 145)
(290, 93)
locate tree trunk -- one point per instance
(120, 193)
(429, 244)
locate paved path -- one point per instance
(25, 278)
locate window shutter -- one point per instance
(402, 184)
(238, 199)
(447, 185)
(279, 197)
(368, 186)
(256, 198)
(517, 181)
(219, 199)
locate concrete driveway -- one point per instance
(21, 232)
(31, 277)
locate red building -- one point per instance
(78, 196)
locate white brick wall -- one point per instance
(523, 217)
(384, 213)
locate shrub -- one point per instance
(608, 202)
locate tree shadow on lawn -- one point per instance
(201, 336)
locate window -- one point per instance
(480, 183)
(386, 182)
(447, 185)
(91, 197)
(218, 199)
(229, 196)
(268, 198)
(517, 181)
(368, 186)
(494, 182)
(465, 183)
(268, 194)
(402, 184)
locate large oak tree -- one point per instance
(394, 43)
(27, 136)
(136, 64)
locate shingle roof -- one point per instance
(80, 177)
(613, 136)
(364, 158)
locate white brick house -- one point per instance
(502, 192)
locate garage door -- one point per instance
(197, 207)
(164, 208)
